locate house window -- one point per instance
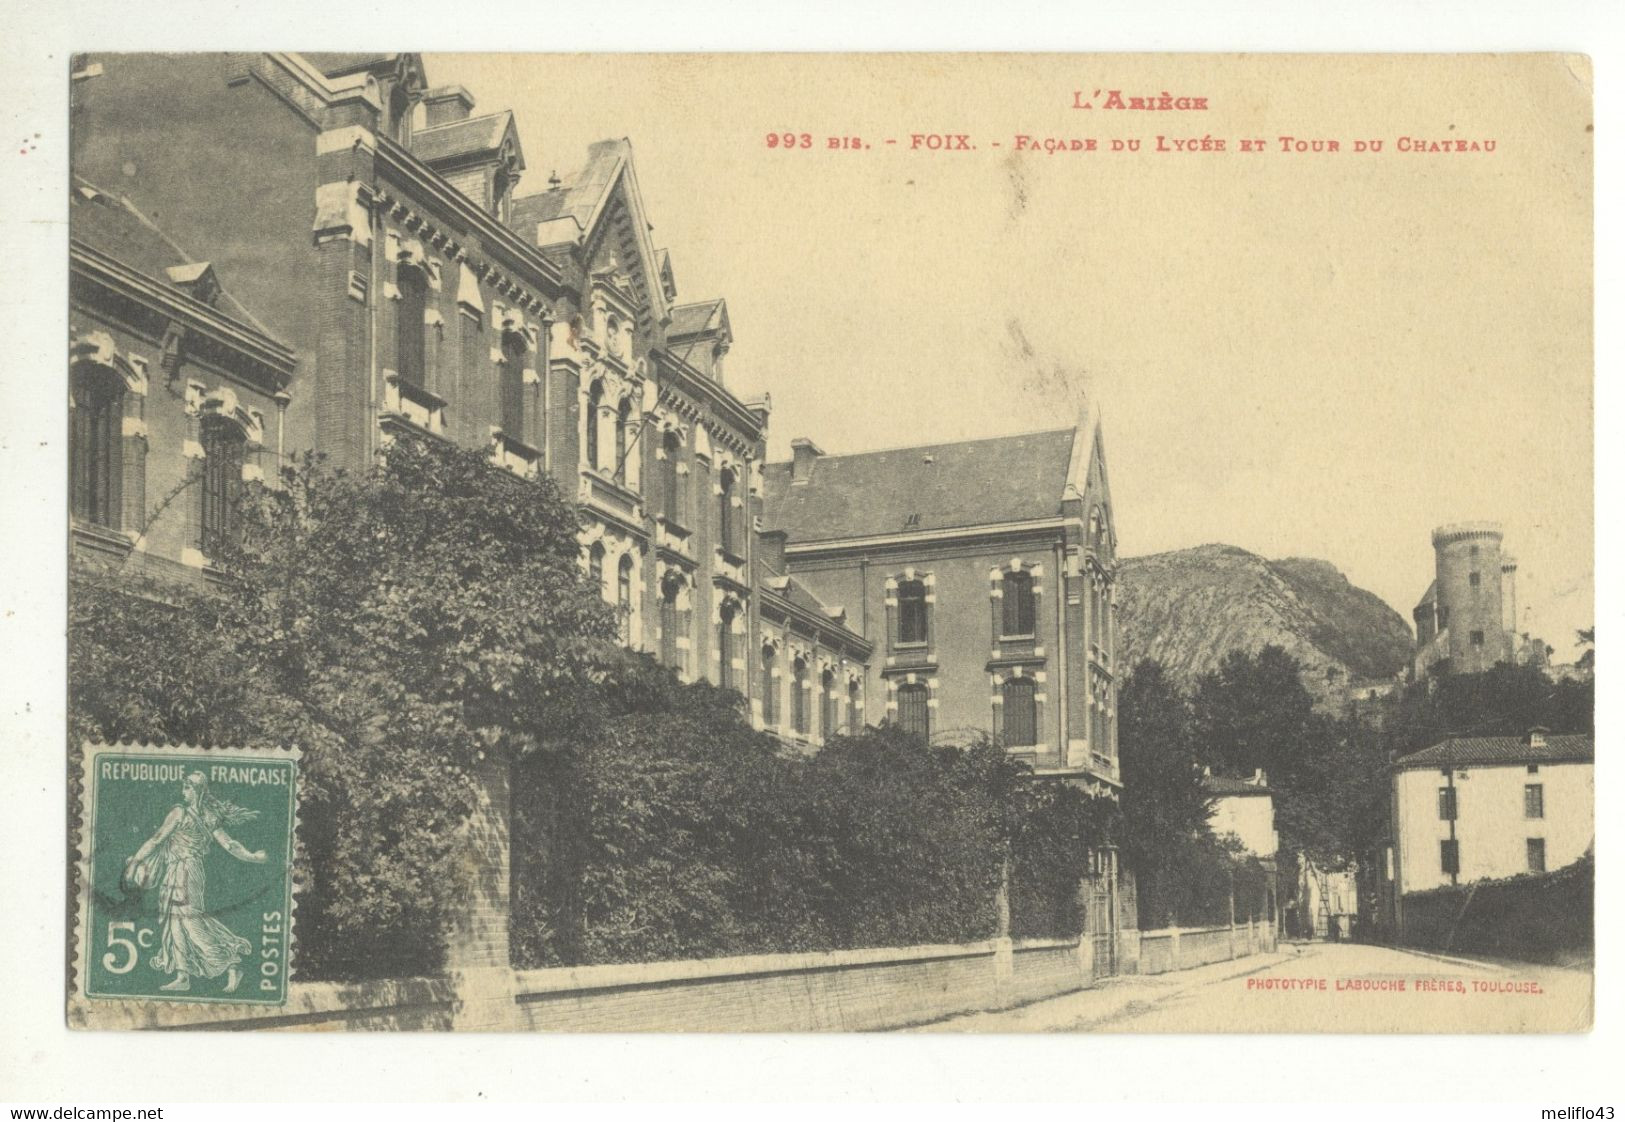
(93, 445)
(1535, 850)
(595, 567)
(770, 692)
(829, 713)
(1018, 603)
(513, 384)
(1472, 580)
(671, 501)
(223, 447)
(623, 598)
(1450, 856)
(595, 403)
(668, 624)
(1020, 713)
(725, 648)
(1534, 801)
(623, 426)
(854, 709)
(911, 612)
(1476, 638)
(725, 510)
(913, 714)
(413, 286)
(798, 696)
(1447, 804)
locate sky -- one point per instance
(1302, 354)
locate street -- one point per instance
(1315, 987)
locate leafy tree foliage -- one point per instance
(396, 626)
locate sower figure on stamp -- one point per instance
(190, 940)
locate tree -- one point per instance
(1253, 712)
(1166, 837)
(397, 626)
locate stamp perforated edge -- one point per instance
(82, 1010)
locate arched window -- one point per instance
(623, 427)
(413, 286)
(595, 404)
(912, 626)
(1018, 603)
(94, 440)
(514, 349)
(913, 712)
(623, 598)
(798, 696)
(829, 712)
(669, 652)
(1020, 713)
(725, 648)
(223, 448)
(770, 692)
(725, 510)
(671, 500)
(854, 709)
(595, 567)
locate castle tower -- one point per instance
(1472, 601)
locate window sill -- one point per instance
(1022, 637)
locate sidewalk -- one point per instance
(1108, 999)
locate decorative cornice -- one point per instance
(265, 352)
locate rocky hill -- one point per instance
(1189, 608)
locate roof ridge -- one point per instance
(463, 121)
(937, 444)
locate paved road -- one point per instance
(1315, 987)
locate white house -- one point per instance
(1480, 808)
(1244, 808)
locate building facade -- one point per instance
(418, 291)
(176, 396)
(1480, 808)
(983, 575)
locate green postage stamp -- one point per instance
(185, 873)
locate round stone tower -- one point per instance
(1469, 596)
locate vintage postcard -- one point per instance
(790, 543)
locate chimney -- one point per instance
(771, 544)
(806, 454)
(447, 104)
(1537, 736)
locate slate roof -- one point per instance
(1429, 596)
(1490, 750)
(462, 138)
(930, 487)
(798, 595)
(578, 195)
(691, 319)
(335, 63)
(1222, 786)
(111, 225)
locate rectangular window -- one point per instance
(1447, 804)
(1536, 851)
(1020, 713)
(798, 698)
(1534, 801)
(1018, 603)
(911, 612)
(95, 431)
(1477, 638)
(1450, 856)
(913, 714)
(1472, 580)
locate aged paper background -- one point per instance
(1536, 380)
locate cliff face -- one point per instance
(1190, 608)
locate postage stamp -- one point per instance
(186, 884)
